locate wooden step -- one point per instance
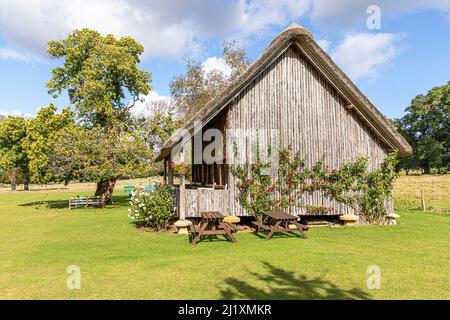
(318, 223)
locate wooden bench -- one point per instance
(194, 229)
(260, 225)
(279, 222)
(86, 202)
(232, 227)
(212, 223)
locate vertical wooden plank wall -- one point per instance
(294, 98)
(198, 200)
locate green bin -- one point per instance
(128, 189)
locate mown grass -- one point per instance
(120, 262)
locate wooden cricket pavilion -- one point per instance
(294, 87)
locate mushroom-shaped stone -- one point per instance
(182, 226)
(232, 219)
(348, 219)
(391, 218)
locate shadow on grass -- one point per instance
(118, 201)
(284, 285)
(210, 238)
(44, 189)
(47, 204)
(291, 234)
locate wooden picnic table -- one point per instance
(278, 222)
(212, 223)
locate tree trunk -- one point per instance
(12, 176)
(427, 169)
(105, 188)
(26, 179)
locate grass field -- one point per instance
(436, 190)
(120, 262)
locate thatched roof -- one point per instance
(303, 39)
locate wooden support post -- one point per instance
(203, 174)
(182, 200)
(165, 171)
(422, 201)
(170, 175)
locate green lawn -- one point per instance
(119, 262)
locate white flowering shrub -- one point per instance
(152, 208)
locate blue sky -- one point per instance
(406, 56)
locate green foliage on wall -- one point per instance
(353, 184)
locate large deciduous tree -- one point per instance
(39, 142)
(426, 126)
(101, 75)
(13, 156)
(156, 124)
(94, 155)
(97, 73)
(192, 90)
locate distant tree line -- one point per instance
(426, 126)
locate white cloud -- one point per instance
(15, 113)
(177, 28)
(360, 55)
(257, 18)
(166, 28)
(215, 63)
(144, 107)
(174, 28)
(11, 54)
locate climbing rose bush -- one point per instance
(319, 209)
(180, 169)
(352, 184)
(152, 208)
(260, 192)
(367, 190)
